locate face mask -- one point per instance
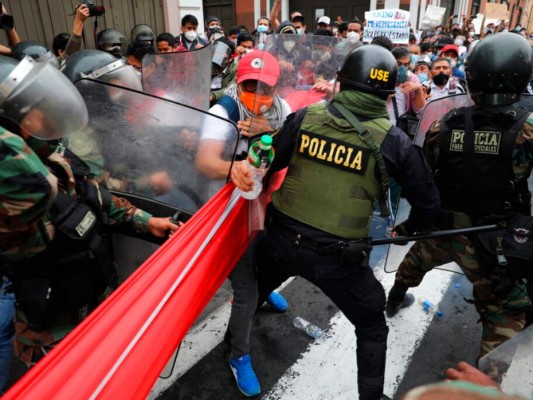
(289, 45)
(262, 29)
(403, 74)
(300, 31)
(453, 63)
(441, 79)
(234, 41)
(438, 31)
(249, 50)
(414, 58)
(256, 103)
(334, 31)
(518, 27)
(432, 56)
(353, 37)
(459, 42)
(422, 77)
(523, 33)
(191, 35)
(471, 34)
(506, 30)
(261, 46)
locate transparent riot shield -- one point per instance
(308, 66)
(146, 146)
(510, 364)
(184, 77)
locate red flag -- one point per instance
(120, 349)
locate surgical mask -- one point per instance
(441, 79)
(256, 103)
(249, 50)
(471, 33)
(414, 58)
(234, 41)
(353, 37)
(438, 31)
(403, 74)
(422, 77)
(191, 36)
(289, 45)
(262, 29)
(300, 31)
(459, 42)
(334, 31)
(506, 30)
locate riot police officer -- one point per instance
(54, 218)
(340, 157)
(481, 157)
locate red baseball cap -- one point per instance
(450, 47)
(258, 65)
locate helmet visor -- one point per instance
(42, 101)
(221, 54)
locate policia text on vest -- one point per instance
(485, 142)
(335, 153)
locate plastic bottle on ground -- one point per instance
(429, 307)
(312, 330)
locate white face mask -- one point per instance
(459, 42)
(471, 34)
(191, 35)
(289, 45)
(353, 37)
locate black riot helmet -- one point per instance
(35, 50)
(370, 69)
(102, 66)
(38, 100)
(111, 41)
(499, 69)
(142, 33)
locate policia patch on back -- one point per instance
(335, 153)
(485, 142)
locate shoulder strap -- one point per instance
(231, 107)
(366, 137)
(395, 107)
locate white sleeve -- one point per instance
(213, 129)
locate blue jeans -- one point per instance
(7, 332)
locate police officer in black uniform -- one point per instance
(340, 157)
(481, 157)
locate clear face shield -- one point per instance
(42, 101)
(118, 73)
(221, 54)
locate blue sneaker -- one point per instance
(247, 381)
(278, 302)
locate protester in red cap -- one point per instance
(451, 52)
(254, 105)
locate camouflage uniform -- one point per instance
(502, 316)
(27, 191)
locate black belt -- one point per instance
(319, 247)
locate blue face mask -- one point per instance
(262, 29)
(299, 31)
(402, 74)
(422, 77)
(414, 58)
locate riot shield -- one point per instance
(308, 65)
(436, 109)
(146, 146)
(184, 77)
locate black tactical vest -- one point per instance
(486, 186)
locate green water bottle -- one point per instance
(260, 156)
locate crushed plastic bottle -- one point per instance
(260, 156)
(429, 307)
(312, 330)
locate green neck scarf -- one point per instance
(364, 104)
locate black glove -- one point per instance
(404, 229)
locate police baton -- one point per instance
(435, 234)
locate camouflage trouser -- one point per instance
(502, 315)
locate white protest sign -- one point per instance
(432, 17)
(496, 11)
(392, 23)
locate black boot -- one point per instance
(398, 298)
(371, 369)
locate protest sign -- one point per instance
(392, 23)
(496, 11)
(432, 17)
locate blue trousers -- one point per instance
(7, 332)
